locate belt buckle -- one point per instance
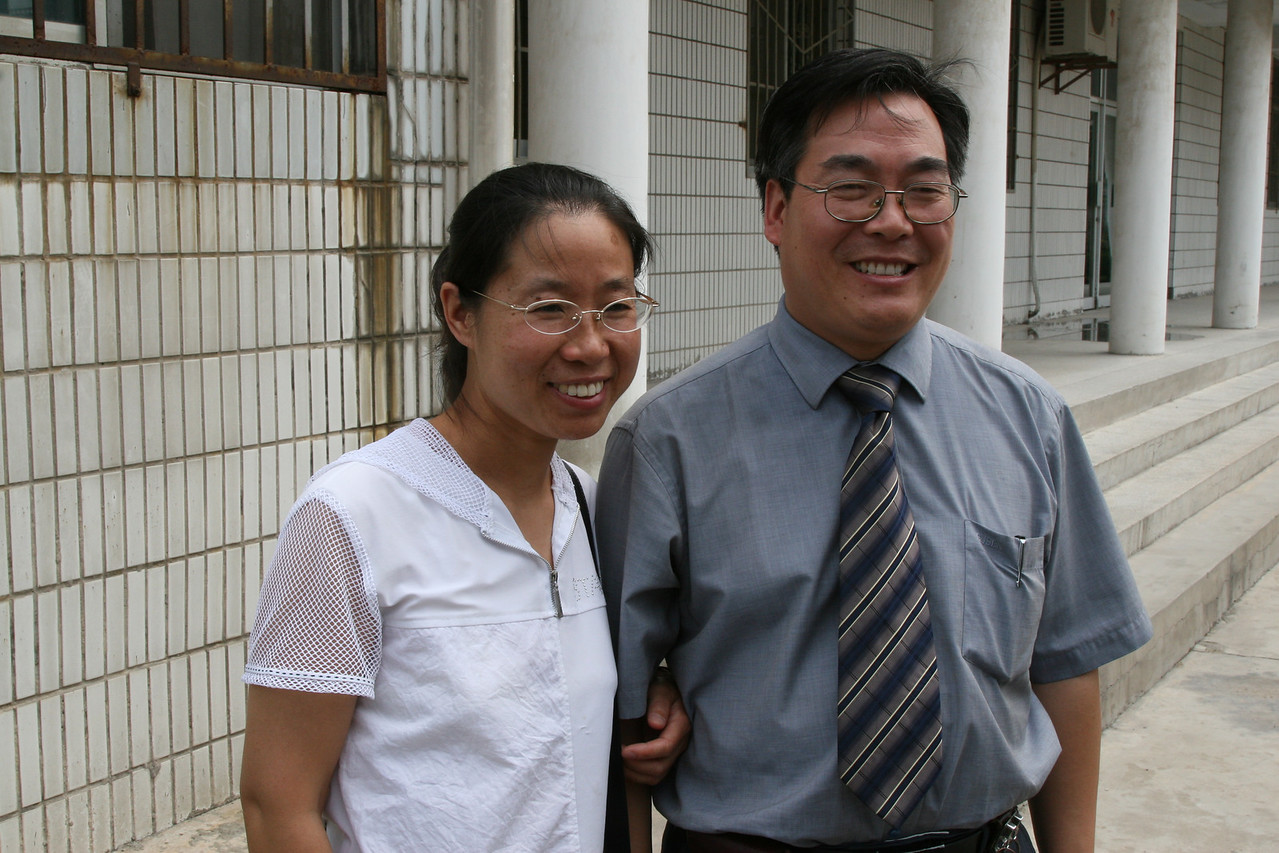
(1006, 840)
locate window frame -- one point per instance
(137, 58)
(761, 86)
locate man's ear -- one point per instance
(460, 319)
(775, 209)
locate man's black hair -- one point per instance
(813, 92)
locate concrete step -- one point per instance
(1153, 502)
(1188, 456)
(1191, 575)
(1130, 384)
(1138, 442)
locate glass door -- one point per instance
(1101, 188)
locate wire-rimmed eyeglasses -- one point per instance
(924, 203)
(559, 316)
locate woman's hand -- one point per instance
(292, 741)
(648, 760)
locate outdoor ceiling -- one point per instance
(1212, 13)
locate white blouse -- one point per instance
(486, 675)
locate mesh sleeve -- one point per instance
(318, 628)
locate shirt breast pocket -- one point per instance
(1003, 600)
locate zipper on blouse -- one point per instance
(555, 573)
(555, 593)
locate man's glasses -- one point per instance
(559, 316)
(925, 203)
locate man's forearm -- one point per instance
(1065, 809)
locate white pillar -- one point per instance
(588, 107)
(1245, 112)
(971, 298)
(1143, 176)
(492, 87)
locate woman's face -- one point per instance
(550, 387)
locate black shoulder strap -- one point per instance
(586, 514)
(616, 820)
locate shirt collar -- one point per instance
(814, 364)
(912, 358)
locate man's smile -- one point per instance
(882, 268)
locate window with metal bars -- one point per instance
(782, 36)
(1272, 147)
(337, 44)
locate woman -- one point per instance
(430, 668)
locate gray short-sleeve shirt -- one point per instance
(718, 505)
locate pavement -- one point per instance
(1192, 765)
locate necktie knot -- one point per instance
(870, 387)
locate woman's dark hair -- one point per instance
(813, 92)
(494, 214)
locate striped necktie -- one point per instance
(890, 737)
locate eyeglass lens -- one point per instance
(557, 316)
(925, 203)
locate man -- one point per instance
(735, 544)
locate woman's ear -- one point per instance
(460, 318)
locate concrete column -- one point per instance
(588, 107)
(1241, 185)
(971, 298)
(1143, 176)
(492, 85)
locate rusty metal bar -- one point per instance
(37, 20)
(344, 25)
(91, 22)
(228, 34)
(308, 19)
(184, 27)
(379, 28)
(268, 32)
(156, 60)
(93, 52)
(139, 24)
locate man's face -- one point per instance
(862, 285)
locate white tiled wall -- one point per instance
(1060, 146)
(1200, 54)
(895, 24)
(714, 273)
(1270, 248)
(206, 293)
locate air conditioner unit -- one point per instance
(1080, 28)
